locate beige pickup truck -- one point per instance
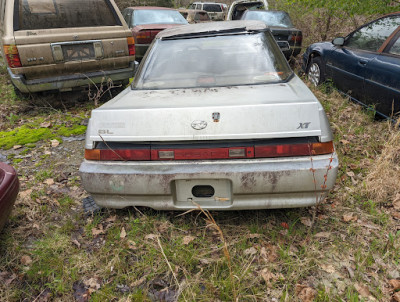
(65, 44)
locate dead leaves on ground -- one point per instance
(83, 290)
(187, 239)
(99, 230)
(364, 292)
(122, 234)
(349, 217)
(395, 286)
(396, 202)
(7, 278)
(26, 260)
(270, 277)
(305, 293)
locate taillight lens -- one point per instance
(124, 154)
(12, 56)
(146, 36)
(257, 151)
(297, 38)
(294, 150)
(131, 46)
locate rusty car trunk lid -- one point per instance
(240, 112)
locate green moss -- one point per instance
(30, 134)
(17, 160)
(73, 130)
(23, 135)
(26, 151)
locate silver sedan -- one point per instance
(214, 118)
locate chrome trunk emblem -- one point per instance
(199, 125)
(216, 116)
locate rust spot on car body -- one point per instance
(248, 181)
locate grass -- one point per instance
(195, 257)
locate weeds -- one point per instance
(382, 182)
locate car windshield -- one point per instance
(271, 18)
(44, 14)
(157, 16)
(228, 60)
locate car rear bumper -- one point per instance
(70, 81)
(238, 184)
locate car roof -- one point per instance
(150, 7)
(213, 27)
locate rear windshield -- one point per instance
(213, 61)
(157, 16)
(46, 14)
(270, 18)
(212, 8)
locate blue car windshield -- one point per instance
(214, 61)
(271, 18)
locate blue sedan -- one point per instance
(364, 65)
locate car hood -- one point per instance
(244, 112)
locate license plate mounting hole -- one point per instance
(203, 191)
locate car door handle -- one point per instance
(362, 62)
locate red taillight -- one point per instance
(131, 46)
(12, 56)
(144, 37)
(294, 150)
(296, 38)
(122, 154)
(257, 151)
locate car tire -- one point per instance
(89, 206)
(316, 71)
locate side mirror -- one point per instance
(338, 41)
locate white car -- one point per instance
(216, 11)
(239, 7)
(214, 118)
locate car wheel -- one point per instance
(316, 71)
(89, 206)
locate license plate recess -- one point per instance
(207, 193)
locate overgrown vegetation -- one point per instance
(51, 251)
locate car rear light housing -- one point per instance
(181, 153)
(122, 154)
(146, 36)
(12, 56)
(131, 46)
(295, 37)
